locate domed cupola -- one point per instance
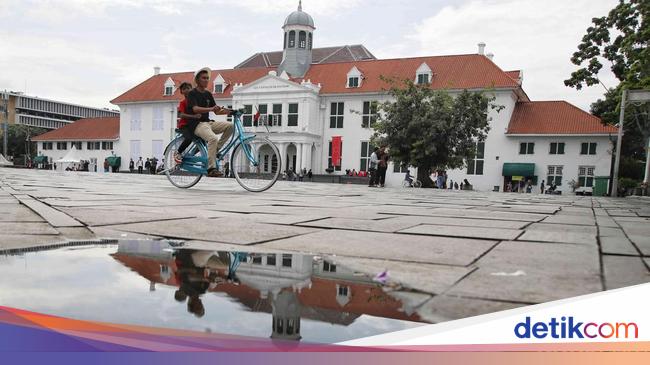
(298, 43)
(299, 17)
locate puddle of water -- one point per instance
(281, 296)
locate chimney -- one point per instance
(156, 70)
(490, 56)
(481, 48)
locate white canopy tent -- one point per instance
(70, 158)
(4, 162)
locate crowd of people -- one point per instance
(290, 175)
(150, 165)
(441, 180)
(527, 186)
(81, 166)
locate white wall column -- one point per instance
(306, 158)
(283, 156)
(299, 157)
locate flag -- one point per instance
(256, 118)
(336, 151)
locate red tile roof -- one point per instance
(554, 117)
(514, 74)
(105, 129)
(152, 88)
(449, 72)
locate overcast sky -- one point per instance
(90, 51)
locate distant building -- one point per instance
(94, 138)
(44, 113)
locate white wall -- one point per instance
(497, 146)
(352, 133)
(146, 135)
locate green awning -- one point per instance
(518, 169)
(114, 161)
(40, 159)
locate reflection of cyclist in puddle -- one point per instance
(197, 271)
(193, 280)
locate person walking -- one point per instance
(310, 175)
(131, 166)
(541, 187)
(152, 166)
(382, 166)
(372, 168)
(140, 165)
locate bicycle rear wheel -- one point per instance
(179, 174)
(256, 164)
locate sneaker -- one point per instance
(178, 158)
(214, 173)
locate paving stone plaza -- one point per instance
(466, 253)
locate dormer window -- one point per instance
(354, 78)
(423, 75)
(219, 84)
(169, 87)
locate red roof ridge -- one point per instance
(101, 128)
(555, 117)
(400, 58)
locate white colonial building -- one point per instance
(311, 95)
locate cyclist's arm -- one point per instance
(189, 116)
(200, 110)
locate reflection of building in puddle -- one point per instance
(288, 286)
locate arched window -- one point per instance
(302, 40)
(284, 45)
(310, 40)
(292, 39)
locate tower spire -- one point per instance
(299, 5)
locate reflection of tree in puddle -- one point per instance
(288, 286)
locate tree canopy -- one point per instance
(431, 129)
(17, 136)
(620, 39)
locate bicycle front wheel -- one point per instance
(417, 184)
(184, 175)
(256, 164)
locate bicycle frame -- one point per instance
(198, 164)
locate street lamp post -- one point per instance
(634, 96)
(5, 125)
(619, 141)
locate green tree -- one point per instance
(19, 137)
(430, 129)
(621, 39)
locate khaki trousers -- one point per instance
(208, 132)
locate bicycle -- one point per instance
(255, 161)
(415, 184)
